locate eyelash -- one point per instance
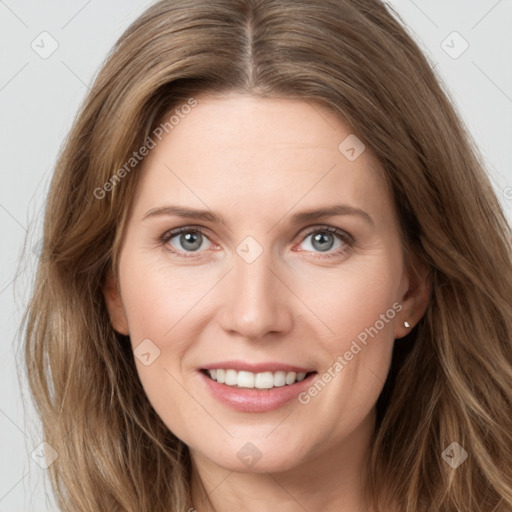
(346, 238)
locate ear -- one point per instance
(415, 297)
(115, 305)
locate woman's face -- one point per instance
(276, 288)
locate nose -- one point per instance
(256, 302)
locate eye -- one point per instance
(185, 240)
(324, 238)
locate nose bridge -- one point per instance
(255, 304)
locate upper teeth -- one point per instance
(264, 380)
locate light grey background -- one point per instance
(40, 96)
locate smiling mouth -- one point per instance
(250, 380)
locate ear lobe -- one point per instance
(114, 305)
(415, 300)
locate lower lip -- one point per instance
(256, 400)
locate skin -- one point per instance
(256, 162)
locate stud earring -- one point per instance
(407, 324)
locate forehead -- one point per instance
(239, 149)
(237, 122)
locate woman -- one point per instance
(188, 345)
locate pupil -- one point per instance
(321, 241)
(321, 238)
(194, 239)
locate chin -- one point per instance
(257, 456)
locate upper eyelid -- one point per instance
(172, 233)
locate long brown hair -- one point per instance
(451, 377)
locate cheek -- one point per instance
(158, 298)
(359, 306)
(159, 305)
(165, 307)
(352, 298)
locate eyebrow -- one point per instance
(296, 218)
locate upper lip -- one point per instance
(271, 366)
